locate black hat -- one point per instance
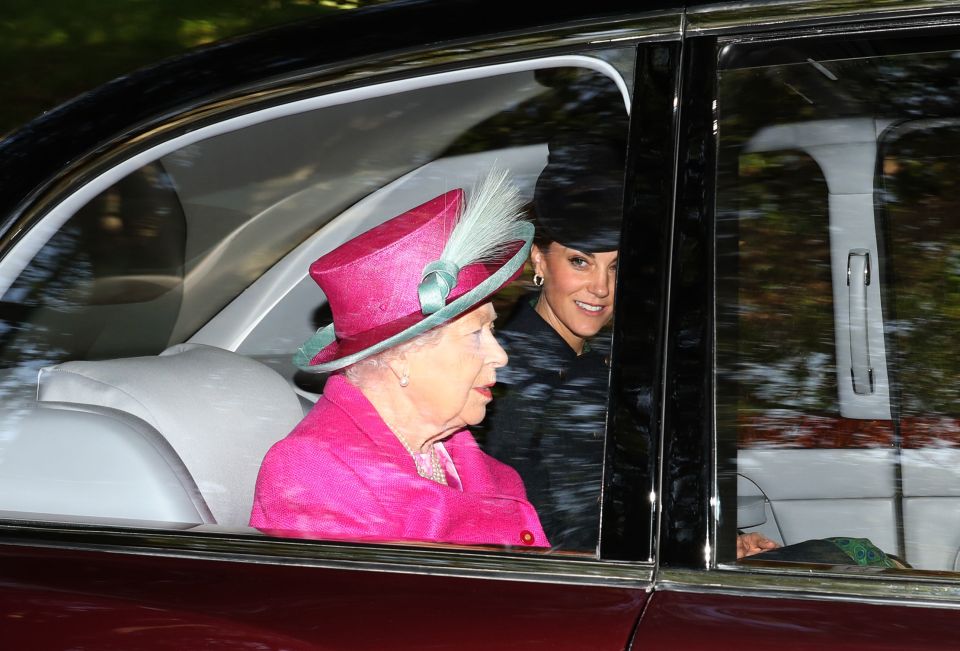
(578, 200)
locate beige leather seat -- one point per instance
(195, 421)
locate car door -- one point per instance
(172, 215)
(810, 375)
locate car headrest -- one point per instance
(220, 412)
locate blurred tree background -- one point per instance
(53, 50)
(776, 325)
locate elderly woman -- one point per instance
(384, 454)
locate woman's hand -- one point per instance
(749, 544)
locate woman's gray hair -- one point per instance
(360, 372)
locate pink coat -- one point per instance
(342, 474)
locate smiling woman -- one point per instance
(549, 422)
(578, 300)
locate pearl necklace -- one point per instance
(435, 471)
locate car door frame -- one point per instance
(696, 600)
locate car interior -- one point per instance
(162, 374)
(176, 296)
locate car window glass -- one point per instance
(158, 315)
(118, 261)
(835, 243)
(919, 222)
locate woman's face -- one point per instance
(450, 380)
(577, 294)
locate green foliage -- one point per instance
(53, 50)
(782, 311)
(923, 225)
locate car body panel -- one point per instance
(59, 599)
(682, 620)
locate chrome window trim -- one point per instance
(873, 587)
(449, 561)
(638, 27)
(656, 491)
(740, 16)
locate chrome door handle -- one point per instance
(858, 279)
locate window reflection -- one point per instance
(831, 153)
(119, 259)
(160, 257)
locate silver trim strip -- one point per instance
(467, 562)
(643, 26)
(741, 16)
(657, 494)
(875, 585)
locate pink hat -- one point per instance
(417, 271)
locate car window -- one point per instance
(921, 237)
(147, 323)
(836, 248)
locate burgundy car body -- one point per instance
(664, 575)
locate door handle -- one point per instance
(858, 279)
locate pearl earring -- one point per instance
(404, 379)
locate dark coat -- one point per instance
(547, 420)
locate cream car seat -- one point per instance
(193, 422)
